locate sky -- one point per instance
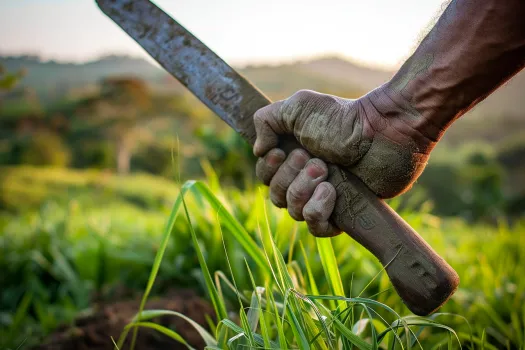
(381, 33)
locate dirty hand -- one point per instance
(384, 144)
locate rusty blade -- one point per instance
(205, 74)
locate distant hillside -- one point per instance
(319, 75)
(329, 74)
(338, 69)
(42, 75)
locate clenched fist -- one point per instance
(376, 137)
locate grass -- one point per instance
(288, 289)
(297, 319)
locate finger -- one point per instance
(267, 126)
(318, 210)
(268, 165)
(303, 186)
(287, 172)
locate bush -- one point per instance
(46, 149)
(97, 155)
(155, 159)
(511, 152)
(231, 157)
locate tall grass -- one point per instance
(97, 233)
(282, 312)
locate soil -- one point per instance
(94, 331)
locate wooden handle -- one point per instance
(420, 276)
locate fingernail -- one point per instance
(321, 192)
(274, 158)
(314, 170)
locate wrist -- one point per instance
(473, 49)
(388, 113)
(424, 105)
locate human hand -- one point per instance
(384, 144)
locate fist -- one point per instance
(372, 137)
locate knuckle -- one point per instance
(296, 194)
(293, 105)
(298, 159)
(262, 113)
(279, 187)
(257, 115)
(258, 119)
(299, 152)
(302, 95)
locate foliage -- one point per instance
(123, 123)
(93, 154)
(9, 80)
(155, 158)
(231, 156)
(28, 188)
(468, 181)
(71, 237)
(45, 149)
(281, 314)
(96, 217)
(512, 150)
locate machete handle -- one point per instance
(423, 280)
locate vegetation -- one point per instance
(46, 280)
(88, 206)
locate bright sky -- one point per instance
(378, 32)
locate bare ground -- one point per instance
(94, 331)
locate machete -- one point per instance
(422, 279)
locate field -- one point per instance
(71, 237)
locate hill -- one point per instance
(326, 74)
(40, 74)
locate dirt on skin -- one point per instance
(94, 331)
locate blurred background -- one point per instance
(89, 124)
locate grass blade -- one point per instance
(155, 269)
(218, 304)
(331, 269)
(166, 331)
(257, 293)
(354, 339)
(236, 229)
(149, 314)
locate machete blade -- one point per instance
(197, 67)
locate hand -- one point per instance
(384, 144)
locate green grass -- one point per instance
(281, 280)
(300, 320)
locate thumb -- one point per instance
(268, 125)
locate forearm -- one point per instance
(475, 47)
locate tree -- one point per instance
(45, 148)
(116, 112)
(9, 80)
